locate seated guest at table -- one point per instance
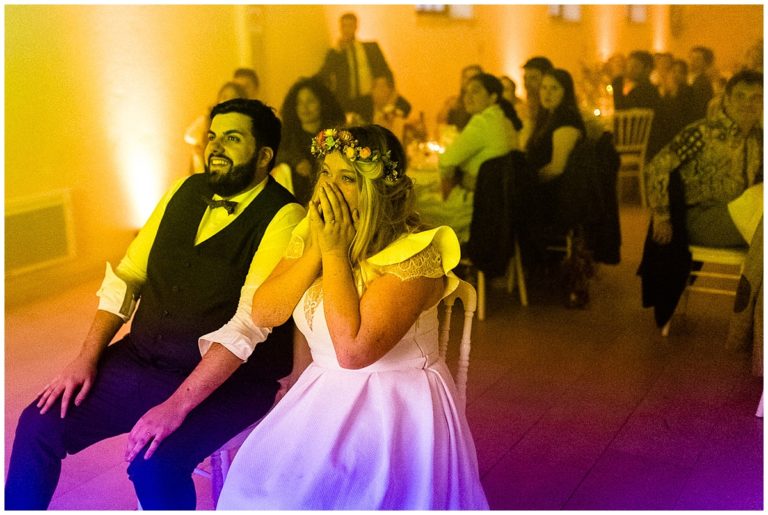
(372, 423)
(558, 129)
(702, 61)
(383, 105)
(453, 111)
(675, 111)
(307, 107)
(719, 158)
(491, 132)
(662, 70)
(634, 90)
(510, 93)
(533, 70)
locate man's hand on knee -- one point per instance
(155, 426)
(78, 375)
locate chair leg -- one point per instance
(511, 273)
(480, 295)
(520, 273)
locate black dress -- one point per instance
(545, 196)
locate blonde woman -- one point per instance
(372, 422)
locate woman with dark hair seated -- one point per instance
(559, 128)
(307, 107)
(491, 132)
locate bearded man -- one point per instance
(211, 241)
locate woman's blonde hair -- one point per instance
(386, 207)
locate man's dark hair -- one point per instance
(750, 77)
(247, 73)
(540, 63)
(265, 126)
(645, 58)
(706, 53)
(349, 16)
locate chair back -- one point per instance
(631, 130)
(466, 293)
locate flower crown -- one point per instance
(329, 140)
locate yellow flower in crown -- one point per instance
(330, 140)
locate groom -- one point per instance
(195, 265)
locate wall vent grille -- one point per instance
(38, 232)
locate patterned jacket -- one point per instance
(717, 163)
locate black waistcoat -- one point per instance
(193, 289)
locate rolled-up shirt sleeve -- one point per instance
(240, 335)
(120, 290)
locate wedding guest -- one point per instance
(194, 370)
(308, 106)
(453, 111)
(491, 132)
(719, 159)
(362, 279)
(533, 71)
(510, 93)
(558, 130)
(383, 106)
(701, 63)
(249, 81)
(196, 134)
(662, 71)
(349, 68)
(634, 90)
(676, 109)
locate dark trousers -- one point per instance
(125, 388)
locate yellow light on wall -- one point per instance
(661, 27)
(135, 113)
(606, 29)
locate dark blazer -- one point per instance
(664, 269)
(335, 70)
(496, 212)
(364, 107)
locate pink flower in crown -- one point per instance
(349, 152)
(364, 153)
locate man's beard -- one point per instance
(233, 182)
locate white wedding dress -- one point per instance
(388, 436)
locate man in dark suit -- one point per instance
(349, 69)
(635, 90)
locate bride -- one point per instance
(372, 422)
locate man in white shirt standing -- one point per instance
(349, 69)
(211, 241)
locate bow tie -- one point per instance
(228, 205)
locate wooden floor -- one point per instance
(570, 409)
